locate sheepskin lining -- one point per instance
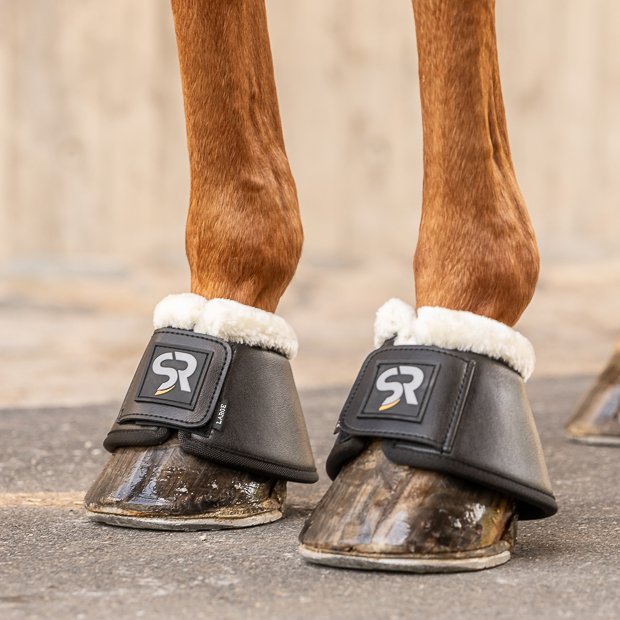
(228, 320)
(454, 329)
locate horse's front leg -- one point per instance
(244, 233)
(211, 427)
(476, 249)
(437, 452)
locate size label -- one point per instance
(220, 413)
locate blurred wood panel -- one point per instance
(92, 130)
(93, 163)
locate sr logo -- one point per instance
(174, 374)
(397, 388)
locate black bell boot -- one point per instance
(211, 427)
(437, 454)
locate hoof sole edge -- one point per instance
(409, 564)
(594, 440)
(180, 524)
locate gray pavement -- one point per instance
(54, 563)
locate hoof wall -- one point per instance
(164, 488)
(378, 515)
(596, 421)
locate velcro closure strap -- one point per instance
(178, 381)
(409, 392)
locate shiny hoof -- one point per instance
(378, 515)
(596, 421)
(164, 488)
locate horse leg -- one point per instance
(243, 241)
(244, 233)
(476, 254)
(476, 249)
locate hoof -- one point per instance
(378, 515)
(164, 488)
(596, 420)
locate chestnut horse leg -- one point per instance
(244, 239)
(476, 252)
(244, 232)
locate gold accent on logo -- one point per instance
(388, 406)
(159, 392)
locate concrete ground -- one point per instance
(54, 563)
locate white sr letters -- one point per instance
(397, 388)
(172, 373)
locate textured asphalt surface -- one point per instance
(54, 563)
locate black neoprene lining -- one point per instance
(145, 436)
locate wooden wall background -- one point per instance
(93, 163)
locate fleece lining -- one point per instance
(454, 329)
(228, 320)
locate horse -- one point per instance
(437, 455)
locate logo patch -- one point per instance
(174, 375)
(400, 391)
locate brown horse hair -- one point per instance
(244, 233)
(476, 249)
